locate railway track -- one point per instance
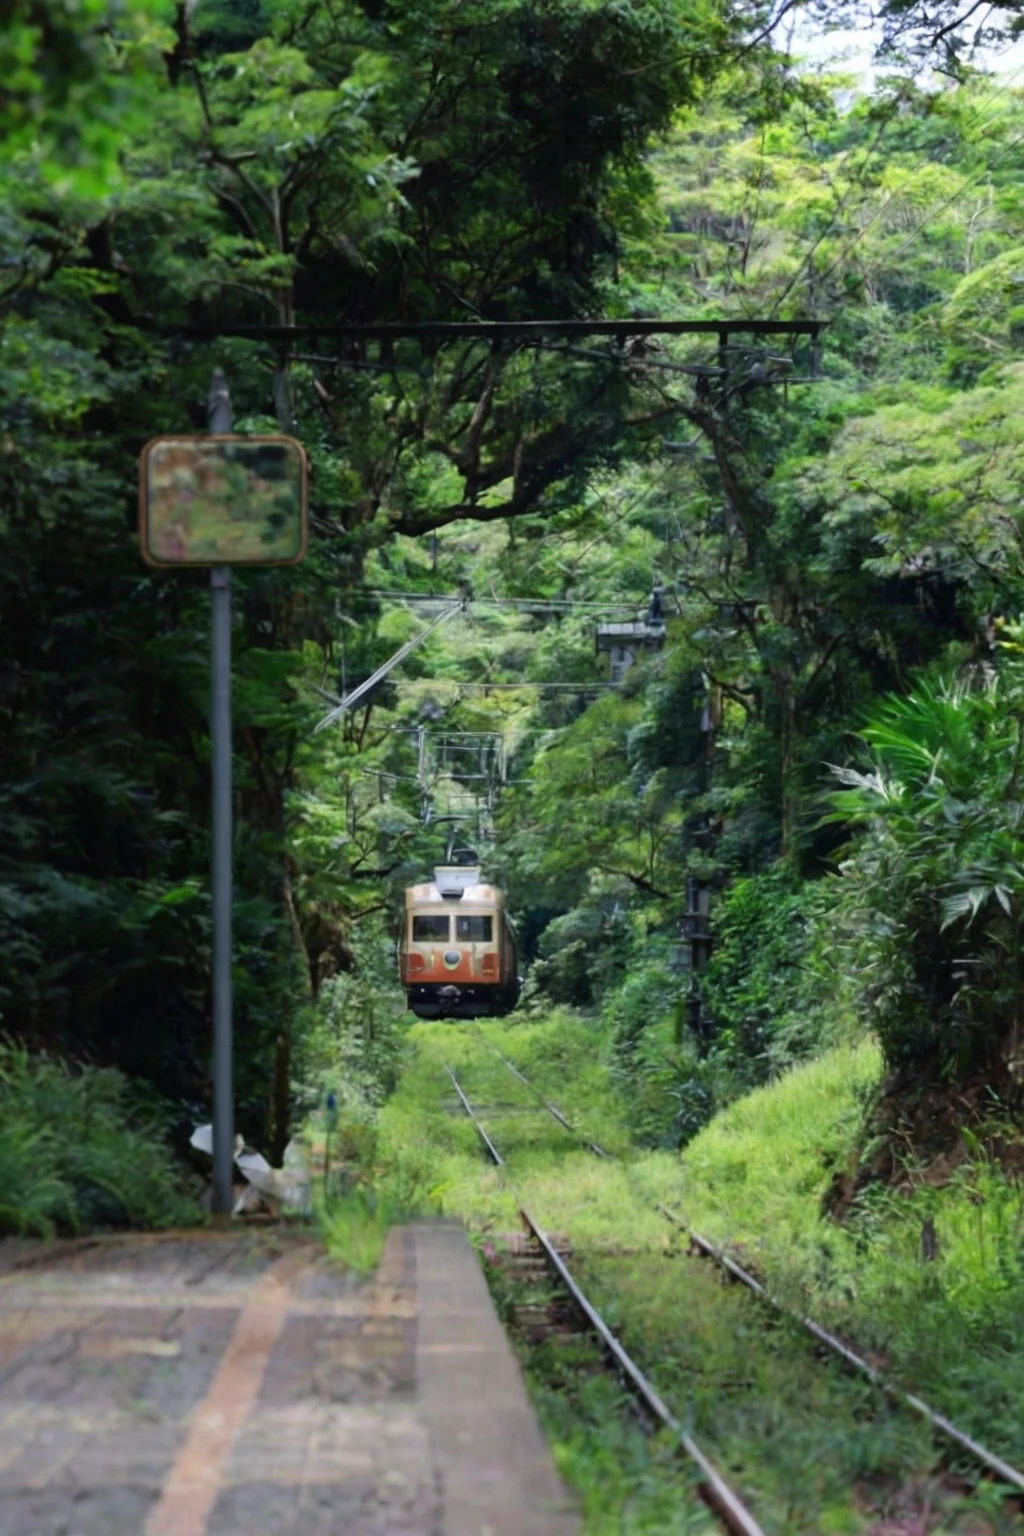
(993, 1464)
(722, 1500)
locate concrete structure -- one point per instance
(239, 1384)
(625, 642)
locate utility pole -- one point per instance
(697, 935)
(220, 421)
(192, 513)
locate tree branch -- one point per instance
(958, 21)
(637, 880)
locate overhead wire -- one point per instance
(948, 202)
(456, 682)
(554, 605)
(533, 603)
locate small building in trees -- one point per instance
(625, 642)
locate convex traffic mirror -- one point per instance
(223, 500)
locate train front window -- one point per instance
(477, 930)
(426, 928)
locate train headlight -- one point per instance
(452, 957)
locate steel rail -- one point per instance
(938, 1421)
(552, 1109)
(959, 1437)
(488, 1143)
(714, 1490)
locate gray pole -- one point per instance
(219, 418)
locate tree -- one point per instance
(74, 87)
(250, 164)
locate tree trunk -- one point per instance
(280, 1100)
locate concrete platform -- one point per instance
(238, 1384)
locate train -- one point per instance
(457, 956)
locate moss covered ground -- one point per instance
(813, 1449)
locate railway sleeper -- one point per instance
(550, 1316)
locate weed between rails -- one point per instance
(813, 1449)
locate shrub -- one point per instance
(583, 953)
(76, 1153)
(931, 895)
(353, 1047)
(640, 1021)
(648, 996)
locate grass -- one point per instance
(561, 1052)
(799, 1435)
(757, 1173)
(354, 1227)
(426, 1140)
(755, 1177)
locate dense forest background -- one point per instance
(829, 742)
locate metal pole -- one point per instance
(382, 671)
(220, 420)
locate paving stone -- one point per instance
(239, 1384)
(496, 1472)
(354, 1510)
(112, 1511)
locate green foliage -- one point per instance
(77, 80)
(771, 988)
(236, 162)
(352, 1049)
(76, 1153)
(756, 1178)
(672, 1087)
(982, 314)
(932, 895)
(930, 478)
(354, 1228)
(764, 1163)
(582, 953)
(759, 932)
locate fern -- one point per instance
(933, 888)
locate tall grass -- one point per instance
(949, 1325)
(758, 1171)
(799, 1436)
(354, 1227)
(75, 1155)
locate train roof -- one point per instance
(454, 883)
(420, 895)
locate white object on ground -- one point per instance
(289, 1187)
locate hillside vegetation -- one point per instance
(825, 754)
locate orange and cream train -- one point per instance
(457, 951)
